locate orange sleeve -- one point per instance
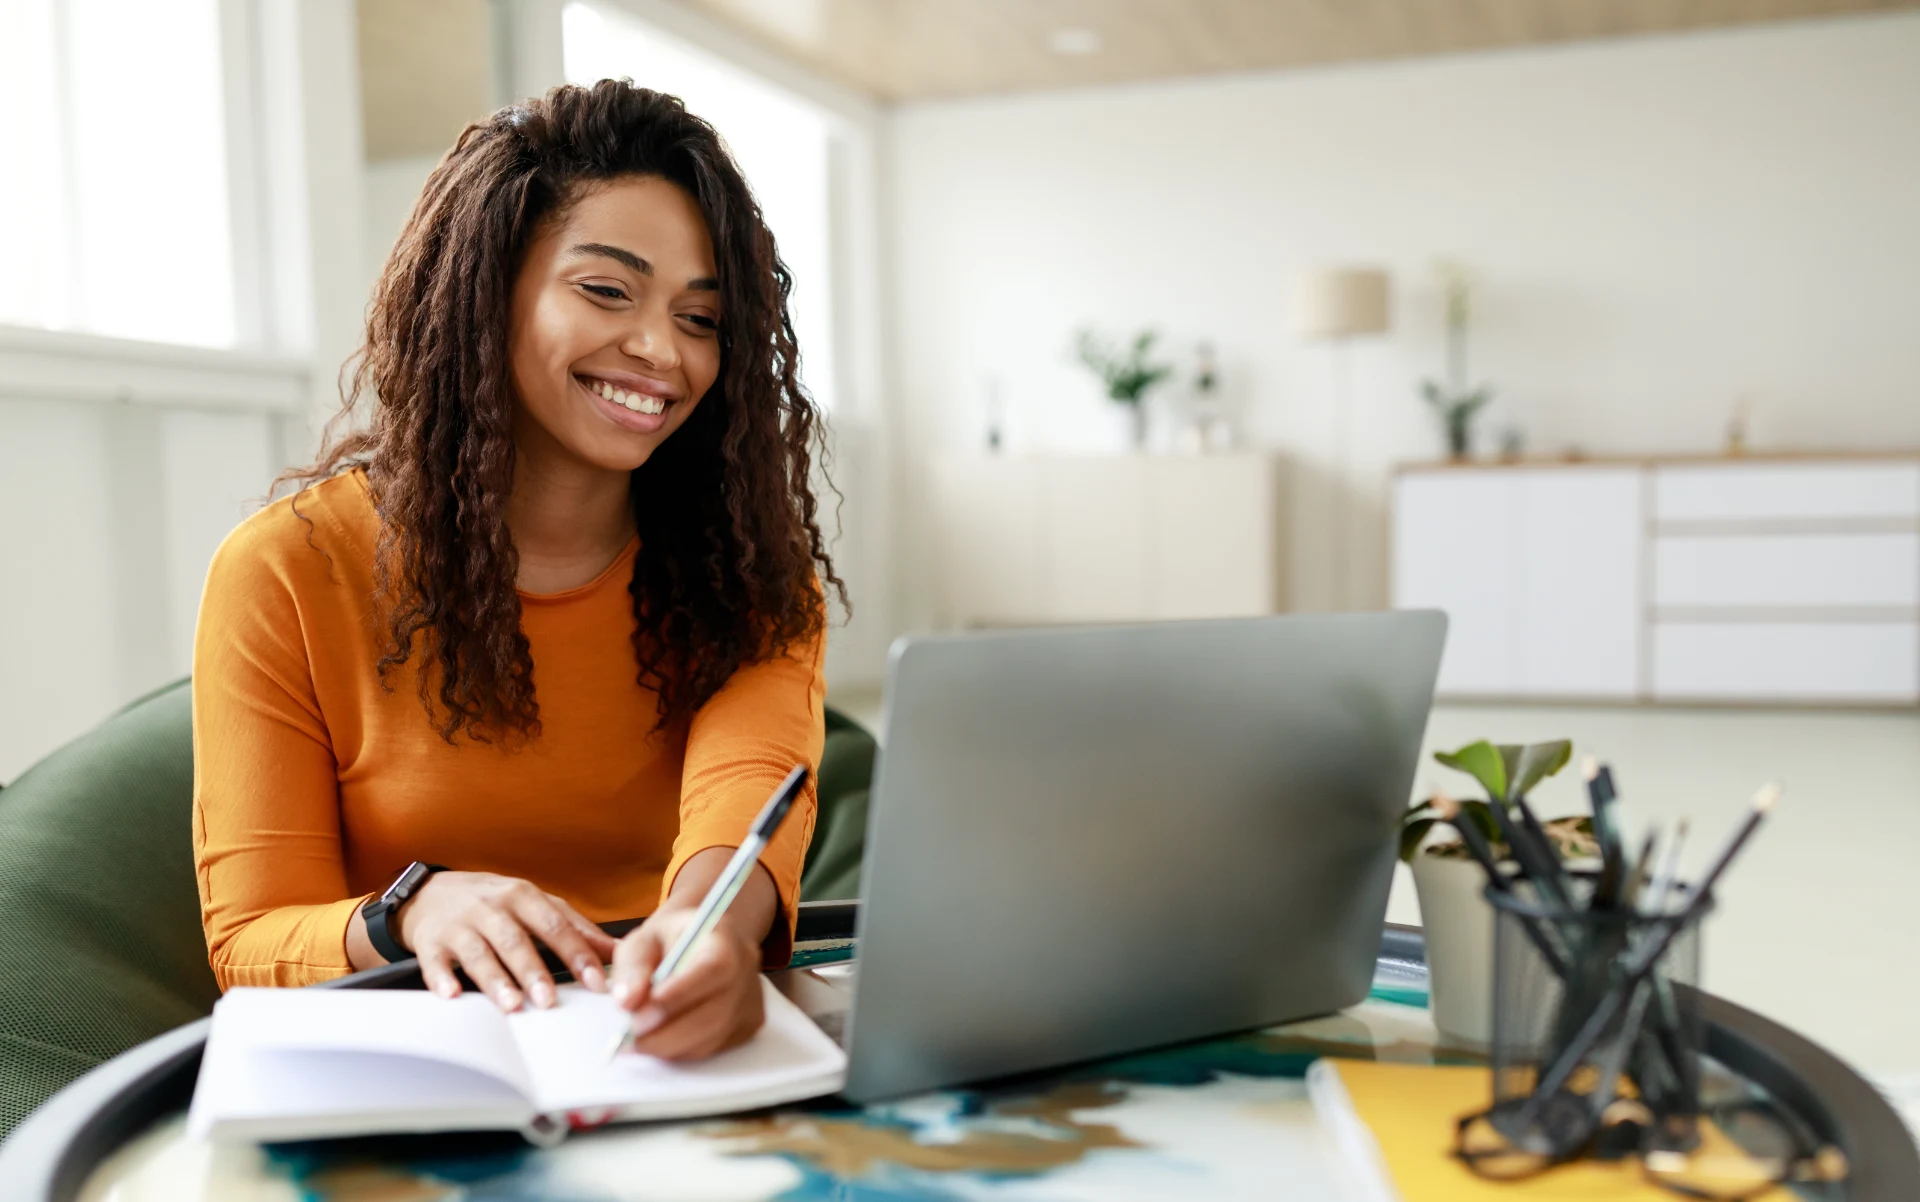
(742, 743)
(266, 805)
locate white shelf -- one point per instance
(1773, 582)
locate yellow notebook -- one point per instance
(1394, 1127)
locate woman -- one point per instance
(553, 618)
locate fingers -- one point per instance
(725, 1011)
(715, 963)
(489, 925)
(557, 925)
(517, 951)
(634, 960)
(476, 955)
(436, 970)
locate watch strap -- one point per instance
(379, 912)
(380, 934)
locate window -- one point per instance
(113, 172)
(780, 141)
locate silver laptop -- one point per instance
(1089, 841)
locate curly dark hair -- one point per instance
(732, 559)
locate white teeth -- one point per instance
(638, 402)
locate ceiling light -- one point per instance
(1074, 41)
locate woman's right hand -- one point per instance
(488, 925)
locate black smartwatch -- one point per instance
(380, 910)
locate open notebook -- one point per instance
(288, 1064)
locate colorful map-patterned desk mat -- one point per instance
(1226, 1118)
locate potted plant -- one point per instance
(1127, 375)
(1454, 402)
(1450, 885)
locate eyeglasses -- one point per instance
(1734, 1150)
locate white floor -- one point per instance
(1815, 922)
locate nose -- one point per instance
(650, 338)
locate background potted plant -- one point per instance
(1454, 402)
(1457, 918)
(1127, 374)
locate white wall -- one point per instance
(1662, 226)
(109, 514)
(388, 192)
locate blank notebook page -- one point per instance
(337, 1052)
(565, 1053)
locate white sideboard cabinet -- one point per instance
(1538, 570)
(1035, 540)
(1759, 581)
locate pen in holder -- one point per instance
(1605, 1024)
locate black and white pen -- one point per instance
(726, 886)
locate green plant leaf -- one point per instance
(1529, 764)
(1126, 373)
(1480, 813)
(1412, 835)
(1483, 762)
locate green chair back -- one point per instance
(832, 871)
(100, 939)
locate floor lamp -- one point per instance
(1339, 304)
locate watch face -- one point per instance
(410, 880)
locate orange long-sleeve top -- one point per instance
(315, 784)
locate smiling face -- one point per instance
(614, 332)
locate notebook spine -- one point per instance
(1355, 1148)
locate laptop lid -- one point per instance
(1088, 841)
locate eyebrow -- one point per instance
(705, 283)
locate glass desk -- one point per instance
(1226, 1118)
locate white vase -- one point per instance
(1459, 930)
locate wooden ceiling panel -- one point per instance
(905, 50)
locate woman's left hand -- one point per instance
(710, 1004)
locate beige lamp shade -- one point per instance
(1340, 302)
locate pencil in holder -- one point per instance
(1586, 1016)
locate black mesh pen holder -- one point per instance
(1597, 1053)
(1589, 1035)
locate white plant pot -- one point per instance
(1459, 929)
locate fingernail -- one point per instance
(623, 987)
(646, 1019)
(591, 976)
(509, 999)
(543, 995)
(446, 988)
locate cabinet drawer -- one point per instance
(1781, 570)
(1786, 492)
(1763, 661)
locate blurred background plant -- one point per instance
(1454, 402)
(1128, 373)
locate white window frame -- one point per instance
(291, 104)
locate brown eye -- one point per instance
(702, 320)
(604, 291)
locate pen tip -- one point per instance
(1589, 767)
(1767, 797)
